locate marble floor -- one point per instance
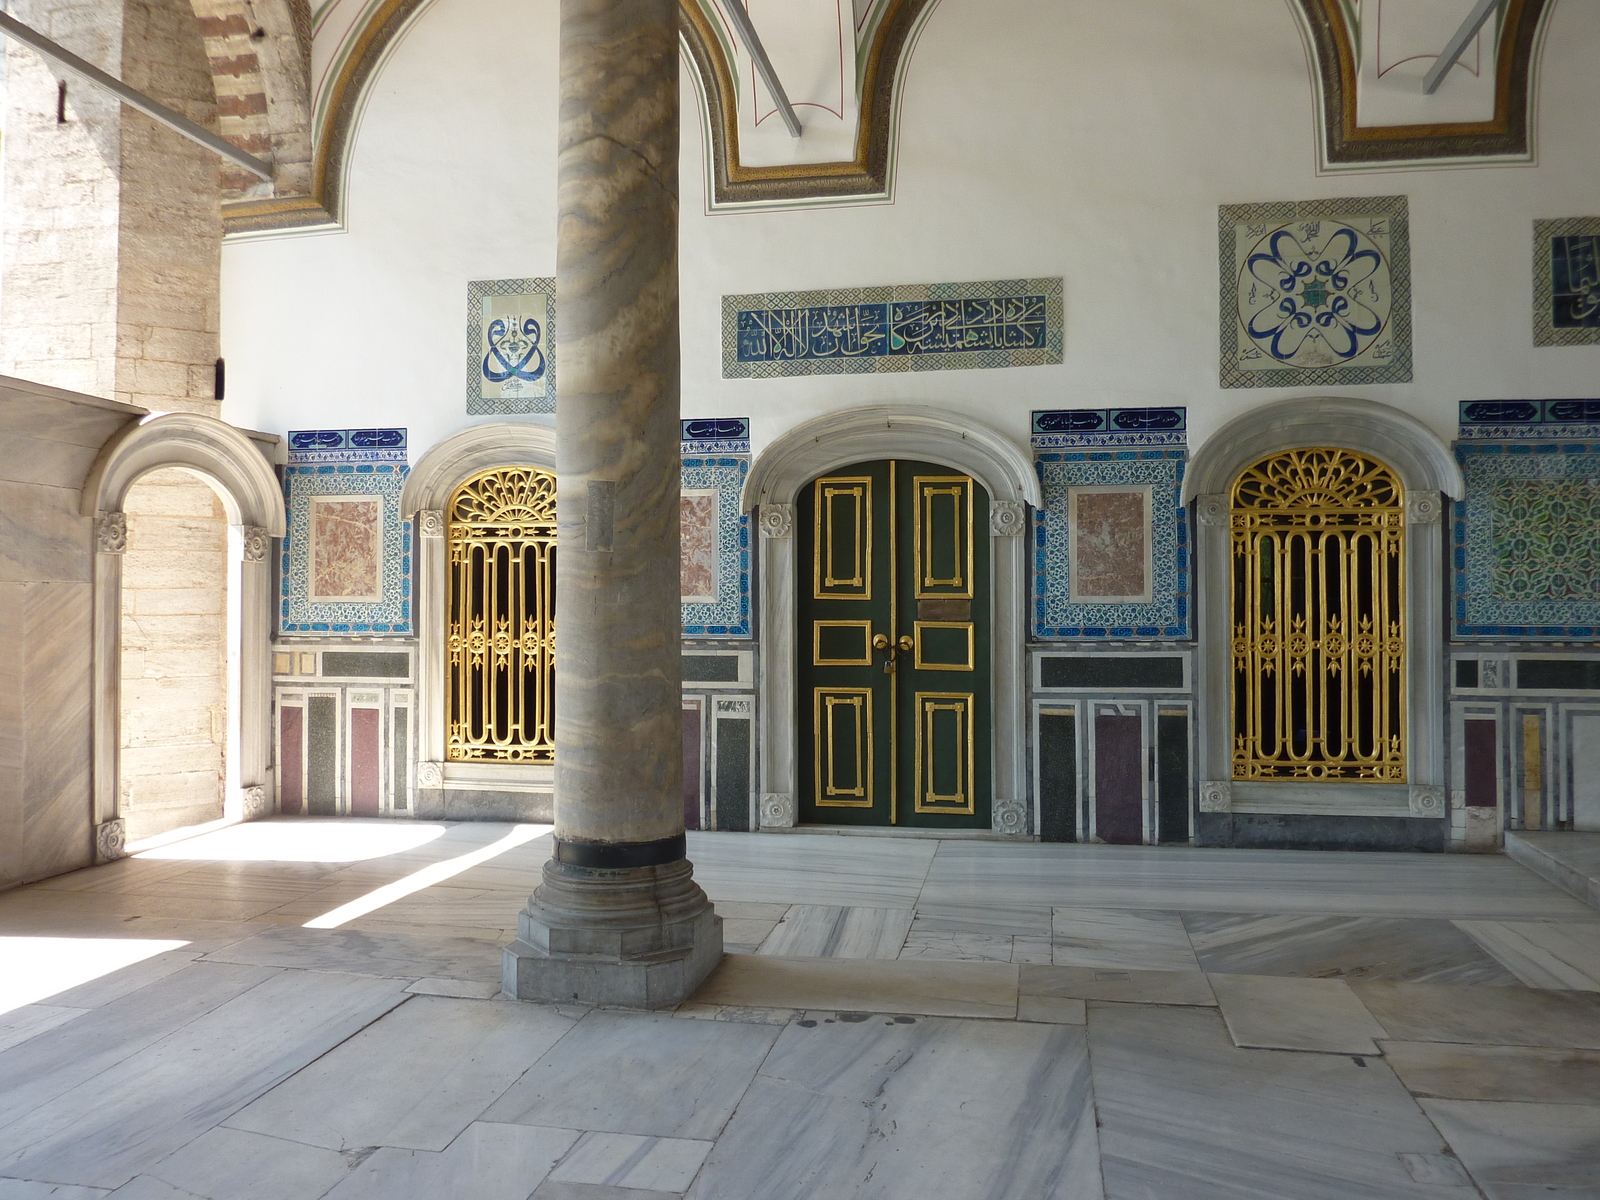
(292, 1010)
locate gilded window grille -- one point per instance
(501, 641)
(1318, 571)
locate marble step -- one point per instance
(1571, 861)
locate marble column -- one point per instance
(618, 918)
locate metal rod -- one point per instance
(758, 55)
(90, 73)
(1456, 45)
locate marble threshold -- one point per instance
(908, 831)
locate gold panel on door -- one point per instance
(842, 567)
(944, 753)
(944, 645)
(942, 529)
(841, 643)
(842, 721)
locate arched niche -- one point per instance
(858, 435)
(236, 468)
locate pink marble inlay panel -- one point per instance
(1110, 558)
(347, 548)
(699, 534)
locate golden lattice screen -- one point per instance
(1318, 561)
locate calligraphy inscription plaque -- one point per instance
(511, 325)
(1315, 292)
(924, 327)
(1566, 282)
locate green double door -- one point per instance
(893, 641)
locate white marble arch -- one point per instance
(431, 483)
(236, 467)
(1428, 472)
(892, 431)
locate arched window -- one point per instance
(500, 650)
(1318, 618)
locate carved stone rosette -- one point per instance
(1427, 800)
(777, 520)
(256, 804)
(1006, 517)
(777, 810)
(257, 541)
(110, 837)
(430, 523)
(430, 775)
(1009, 816)
(1213, 509)
(1216, 796)
(111, 533)
(1423, 508)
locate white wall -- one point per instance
(1078, 138)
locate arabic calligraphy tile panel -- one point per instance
(1562, 420)
(1056, 429)
(1315, 292)
(342, 468)
(1566, 282)
(1167, 614)
(712, 472)
(914, 327)
(1526, 540)
(511, 346)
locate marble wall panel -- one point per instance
(716, 535)
(346, 548)
(57, 820)
(12, 743)
(42, 536)
(699, 539)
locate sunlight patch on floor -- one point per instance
(35, 968)
(320, 841)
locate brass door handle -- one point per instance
(906, 642)
(880, 642)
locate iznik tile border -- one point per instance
(1545, 330)
(345, 462)
(1262, 219)
(854, 331)
(716, 456)
(1060, 428)
(1564, 420)
(1167, 615)
(526, 356)
(1477, 612)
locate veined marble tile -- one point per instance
(1284, 1013)
(1519, 1151)
(44, 1067)
(227, 1164)
(1544, 954)
(959, 947)
(1185, 1113)
(487, 1162)
(1123, 987)
(910, 1110)
(557, 1189)
(862, 872)
(998, 919)
(1141, 941)
(20, 1024)
(133, 1114)
(1056, 1010)
(1408, 951)
(396, 955)
(643, 1073)
(1451, 1071)
(1426, 1012)
(749, 910)
(825, 931)
(413, 1079)
(25, 1189)
(1194, 879)
(626, 1160)
(925, 987)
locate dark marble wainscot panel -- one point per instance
(1300, 831)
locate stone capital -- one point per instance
(777, 810)
(110, 838)
(1427, 800)
(257, 541)
(1213, 509)
(1216, 796)
(1423, 508)
(1008, 816)
(111, 533)
(430, 523)
(256, 803)
(777, 520)
(430, 775)
(1007, 517)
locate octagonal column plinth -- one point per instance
(618, 919)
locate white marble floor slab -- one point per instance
(642, 1073)
(461, 989)
(395, 955)
(1523, 1151)
(1121, 987)
(140, 1110)
(1186, 1115)
(1424, 1012)
(625, 1160)
(413, 1079)
(912, 1110)
(1129, 940)
(961, 947)
(25, 1189)
(129, 979)
(20, 1024)
(1055, 1010)
(1281, 1013)
(828, 931)
(487, 1162)
(228, 1164)
(1538, 1074)
(920, 986)
(1191, 879)
(1005, 920)
(800, 869)
(1544, 954)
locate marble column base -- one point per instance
(645, 937)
